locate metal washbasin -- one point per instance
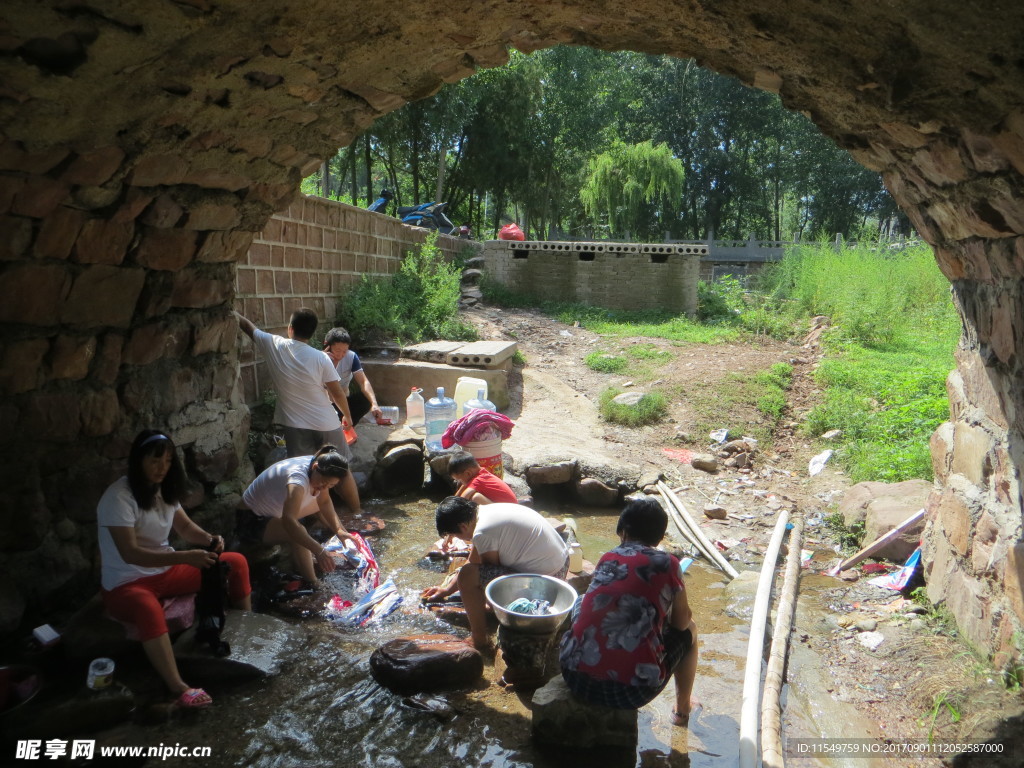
(532, 586)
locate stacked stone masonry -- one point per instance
(143, 145)
(610, 275)
(307, 256)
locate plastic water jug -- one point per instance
(414, 413)
(440, 412)
(465, 389)
(480, 401)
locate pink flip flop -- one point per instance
(194, 698)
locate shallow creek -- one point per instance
(326, 710)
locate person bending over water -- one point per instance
(284, 493)
(139, 567)
(633, 628)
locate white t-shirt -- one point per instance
(523, 539)
(300, 374)
(119, 509)
(267, 494)
(346, 367)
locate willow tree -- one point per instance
(634, 188)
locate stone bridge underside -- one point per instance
(144, 142)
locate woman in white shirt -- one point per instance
(139, 567)
(284, 493)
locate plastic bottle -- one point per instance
(480, 401)
(439, 412)
(465, 388)
(414, 413)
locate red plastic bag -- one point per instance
(511, 232)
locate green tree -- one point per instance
(635, 188)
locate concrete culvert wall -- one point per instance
(145, 143)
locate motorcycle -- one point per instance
(382, 202)
(429, 216)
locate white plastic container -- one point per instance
(575, 557)
(487, 454)
(101, 674)
(415, 415)
(388, 415)
(439, 412)
(480, 402)
(467, 388)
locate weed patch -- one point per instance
(651, 408)
(603, 362)
(419, 302)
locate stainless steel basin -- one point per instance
(505, 589)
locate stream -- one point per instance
(326, 710)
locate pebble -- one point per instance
(866, 625)
(919, 625)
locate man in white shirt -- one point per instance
(306, 384)
(507, 538)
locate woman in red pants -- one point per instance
(135, 517)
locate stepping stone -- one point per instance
(260, 646)
(426, 663)
(560, 719)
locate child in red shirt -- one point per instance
(476, 483)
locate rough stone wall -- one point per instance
(611, 275)
(305, 257)
(145, 142)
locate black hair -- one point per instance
(460, 461)
(304, 322)
(452, 512)
(152, 442)
(329, 463)
(643, 520)
(337, 336)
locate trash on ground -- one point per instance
(870, 640)
(719, 435)
(899, 579)
(818, 462)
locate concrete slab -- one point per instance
(432, 351)
(483, 354)
(392, 380)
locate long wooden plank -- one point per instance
(877, 544)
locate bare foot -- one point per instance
(683, 718)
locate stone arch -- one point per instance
(145, 143)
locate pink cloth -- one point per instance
(476, 425)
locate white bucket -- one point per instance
(487, 454)
(466, 388)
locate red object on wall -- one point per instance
(511, 232)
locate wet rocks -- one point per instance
(260, 646)
(560, 719)
(399, 470)
(595, 493)
(426, 663)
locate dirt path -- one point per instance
(900, 690)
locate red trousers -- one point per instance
(138, 602)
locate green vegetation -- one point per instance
(419, 302)
(602, 362)
(650, 408)
(848, 537)
(598, 145)
(887, 354)
(773, 383)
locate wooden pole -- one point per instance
(755, 647)
(706, 545)
(771, 708)
(681, 527)
(877, 544)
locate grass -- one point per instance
(850, 537)
(651, 408)
(887, 355)
(604, 362)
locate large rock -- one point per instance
(426, 663)
(260, 646)
(595, 493)
(882, 507)
(560, 719)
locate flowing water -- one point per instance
(326, 710)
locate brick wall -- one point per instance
(307, 256)
(611, 275)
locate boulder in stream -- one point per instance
(425, 663)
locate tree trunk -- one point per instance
(368, 160)
(325, 178)
(441, 164)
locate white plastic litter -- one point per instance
(719, 435)
(870, 640)
(818, 462)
